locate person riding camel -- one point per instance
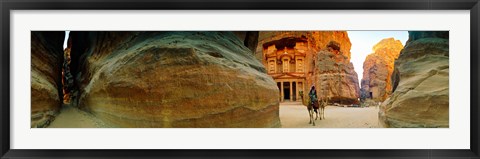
(313, 95)
(313, 106)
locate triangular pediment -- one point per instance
(287, 75)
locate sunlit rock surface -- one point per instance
(173, 79)
(378, 68)
(327, 63)
(420, 84)
(335, 77)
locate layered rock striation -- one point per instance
(46, 70)
(420, 83)
(172, 79)
(378, 68)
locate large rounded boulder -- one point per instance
(420, 83)
(173, 79)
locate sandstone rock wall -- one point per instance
(323, 38)
(420, 83)
(334, 76)
(67, 80)
(173, 79)
(267, 36)
(47, 59)
(249, 38)
(378, 68)
(327, 62)
(318, 40)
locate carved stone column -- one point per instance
(281, 92)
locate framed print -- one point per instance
(201, 79)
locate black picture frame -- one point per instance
(9, 5)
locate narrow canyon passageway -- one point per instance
(295, 115)
(70, 117)
(241, 79)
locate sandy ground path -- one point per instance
(71, 117)
(295, 115)
(292, 115)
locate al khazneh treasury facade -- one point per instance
(285, 60)
(296, 60)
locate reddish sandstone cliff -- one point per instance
(328, 63)
(334, 76)
(378, 68)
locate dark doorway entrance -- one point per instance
(294, 90)
(286, 90)
(371, 95)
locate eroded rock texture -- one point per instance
(420, 83)
(335, 77)
(378, 68)
(318, 40)
(327, 63)
(173, 79)
(67, 80)
(47, 59)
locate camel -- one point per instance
(323, 104)
(313, 109)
